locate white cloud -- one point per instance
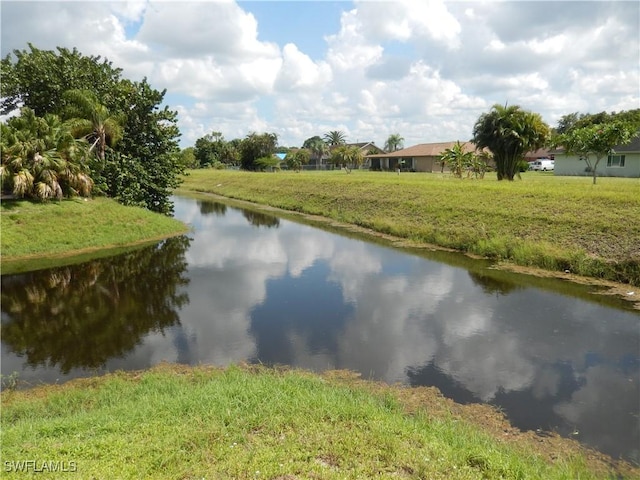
(221, 30)
(406, 20)
(426, 69)
(299, 72)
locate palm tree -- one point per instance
(92, 120)
(334, 138)
(318, 149)
(509, 132)
(394, 142)
(457, 159)
(347, 157)
(295, 160)
(42, 159)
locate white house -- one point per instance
(625, 162)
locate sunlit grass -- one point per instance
(557, 223)
(33, 229)
(241, 423)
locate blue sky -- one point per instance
(423, 68)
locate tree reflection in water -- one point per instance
(208, 208)
(83, 315)
(492, 285)
(258, 219)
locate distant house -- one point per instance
(625, 162)
(424, 157)
(366, 148)
(536, 154)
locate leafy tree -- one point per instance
(256, 146)
(188, 158)
(151, 141)
(347, 157)
(212, 149)
(41, 158)
(295, 160)
(567, 122)
(457, 159)
(594, 142)
(39, 79)
(334, 138)
(509, 132)
(265, 163)
(394, 142)
(626, 116)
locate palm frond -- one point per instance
(22, 183)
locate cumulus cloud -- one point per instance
(221, 30)
(299, 72)
(426, 69)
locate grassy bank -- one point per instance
(33, 233)
(240, 423)
(554, 223)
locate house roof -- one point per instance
(361, 145)
(540, 153)
(424, 150)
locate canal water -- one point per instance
(246, 286)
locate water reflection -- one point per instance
(258, 219)
(84, 315)
(212, 208)
(300, 296)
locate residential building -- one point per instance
(424, 157)
(624, 162)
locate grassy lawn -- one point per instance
(32, 230)
(555, 223)
(245, 423)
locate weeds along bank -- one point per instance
(554, 223)
(252, 422)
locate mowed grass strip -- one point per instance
(555, 223)
(34, 229)
(246, 423)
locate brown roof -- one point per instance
(425, 150)
(360, 145)
(540, 153)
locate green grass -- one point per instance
(241, 423)
(554, 223)
(33, 231)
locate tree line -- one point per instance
(256, 151)
(81, 128)
(505, 134)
